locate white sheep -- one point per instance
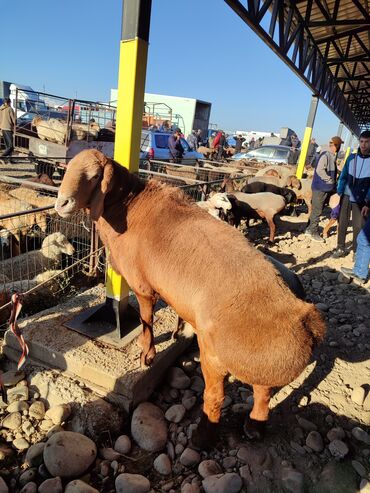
(214, 203)
(52, 130)
(37, 261)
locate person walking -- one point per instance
(175, 146)
(354, 190)
(7, 124)
(323, 185)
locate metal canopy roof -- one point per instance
(326, 43)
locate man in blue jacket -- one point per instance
(323, 185)
(354, 190)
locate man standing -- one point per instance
(239, 139)
(175, 146)
(323, 185)
(311, 152)
(193, 140)
(7, 123)
(354, 190)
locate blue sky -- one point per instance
(198, 48)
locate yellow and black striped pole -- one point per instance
(130, 104)
(307, 136)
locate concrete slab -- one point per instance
(114, 369)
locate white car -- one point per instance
(154, 145)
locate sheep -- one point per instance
(214, 203)
(257, 187)
(281, 171)
(52, 130)
(304, 192)
(41, 178)
(286, 181)
(213, 278)
(263, 205)
(81, 131)
(37, 261)
(32, 197)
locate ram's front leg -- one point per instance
(146, 339)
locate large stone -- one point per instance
(27, 476)
(162, 464)
(13, 421)
(53, 485)
(21, 444)
(359, 468)
(123, 444)
(95, 416)
(315, 441)
(132, 483)
(175, 413)
(37, 410)
(29, 488)
(209, 468)
(223, 483)
(338, 449)
(18, 393)
(361, 435)
(58, 414)
(34, 456)
(292, 480)
(68, 454)
(78, 486)
(148, 427)
(336, 434)
(306, 424)
(17, 406)
(189, 457)
(178, 379)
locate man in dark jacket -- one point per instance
(7, 123)
(311, 152)
(323, 185)
(354, 190)
(175, 146)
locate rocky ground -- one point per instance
(57, 435)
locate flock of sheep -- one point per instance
(264, 196)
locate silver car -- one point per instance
(269, 153)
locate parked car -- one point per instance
(154, 145)
(271, 154)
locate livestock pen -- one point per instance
(39, 250)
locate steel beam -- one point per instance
(288, 28)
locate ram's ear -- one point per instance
(105, 186)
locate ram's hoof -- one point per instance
(253, 429)
(205, 437)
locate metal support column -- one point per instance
(130, 104)
(307, 136)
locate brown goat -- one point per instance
(163, 244)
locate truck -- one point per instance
(23, 99)
(76, 125)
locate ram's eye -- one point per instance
(96, 177)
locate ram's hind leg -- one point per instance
(146, 338)
(255, 424)
(205, 436)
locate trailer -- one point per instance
(75, 125)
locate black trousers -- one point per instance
(318, 201)
(358, 222)
(8, 139)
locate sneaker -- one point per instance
(338, 253)
(349, 273)
(317, 237)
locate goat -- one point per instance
(164, 245)
(215, 203)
